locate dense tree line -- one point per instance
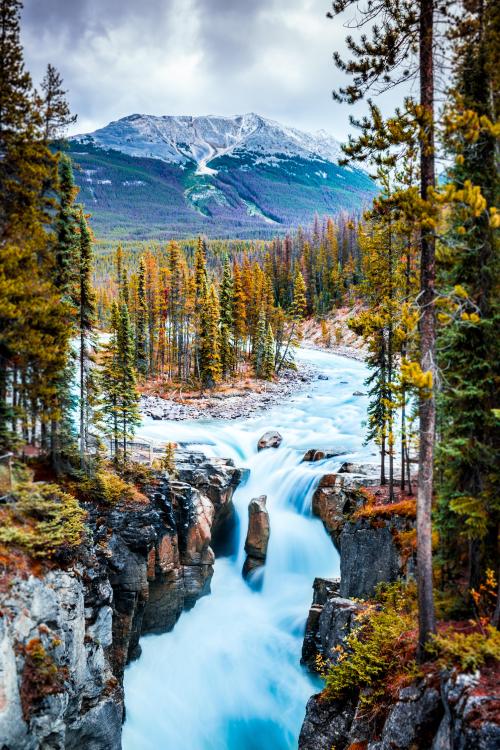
(431, 270)
(202, 315)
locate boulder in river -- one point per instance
(257, 535)
(318, 454)
(270, 439)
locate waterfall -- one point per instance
(228, 677)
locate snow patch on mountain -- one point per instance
(202, 140)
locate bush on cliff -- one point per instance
(43, 521)
(106, 486)
(378, 657)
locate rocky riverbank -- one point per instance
(67, 634)
(239, 402)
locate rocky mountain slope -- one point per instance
(147, 176)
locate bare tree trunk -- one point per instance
(427, 410)
(390, 420)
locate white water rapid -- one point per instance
(228, 677)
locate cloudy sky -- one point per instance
(118, 57)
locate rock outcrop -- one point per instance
(270, 439)
(453, 711)
(66, 635)
(330, 619)
(368, 547)
(257, 535)
(451, 715)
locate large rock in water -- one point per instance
(257, 535)
(270, 439)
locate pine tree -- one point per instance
(26, 168)
(141, 358)
(65, 258)
(210, 366)
(86, 322)
(298, 313)
(260, 344)
(128, 396)
(56, 112)
(468, 505)
(227, 355)
(168, 462)
(268, 364)
(109, 384)
(239, 313)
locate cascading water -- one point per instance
(228, 677)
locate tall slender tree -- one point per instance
(86, 322)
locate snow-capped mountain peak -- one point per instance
(183, 139)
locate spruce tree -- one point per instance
(141, 358)
(227, 355)
(239, 313)
(260, 344)
(268, 364)
(55, 109)
(468, 504)
(109, 384)
(210, 365)
(86, 322)
(128, 396)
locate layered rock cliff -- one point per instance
(444, 709)
(67, 635)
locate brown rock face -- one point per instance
(270, 439)
(257, 535)
(142, 566)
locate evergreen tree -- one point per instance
(109, 384)
(227, 356)
(210, 366)
(468, 508)
(128, 396)
(65, 257)
(260, 345)
(141, 358)
(86, 322)
(239, 313)
(55, 109)
(268, 364)
(298, 313)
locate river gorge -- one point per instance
(228, 676)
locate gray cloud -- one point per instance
(273, 57)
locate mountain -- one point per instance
(245, 176)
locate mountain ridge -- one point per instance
(216, 134)
(162, 176)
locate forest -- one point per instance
(86, 326)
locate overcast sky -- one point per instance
(193, 57)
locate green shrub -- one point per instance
(137, 473)
(467, 651)
(111, 488)
(378, 656)
(43, 520)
